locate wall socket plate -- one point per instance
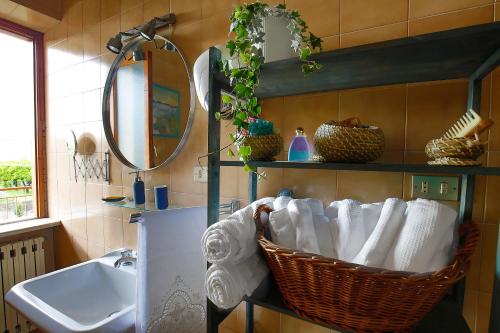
(435, 187)
(200, 174)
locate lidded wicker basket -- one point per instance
(360, 298)
(348, 141)
(264, 147)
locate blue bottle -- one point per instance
(299, 147)
(139, 190)
(161, 197)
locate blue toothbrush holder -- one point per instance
(161, 197)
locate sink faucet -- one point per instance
(128, 258)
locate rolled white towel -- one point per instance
(282, 229)
(383, 236)
(302, 219)
(425, 240)
(232, 239)
(281, 202)
(323, 229)
(227, 284)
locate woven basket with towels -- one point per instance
(356, 297)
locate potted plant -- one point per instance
(246, 58)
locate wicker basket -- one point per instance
(348, 141)
(264, 147)
(465, 148)
(356, 297)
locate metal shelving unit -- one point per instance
(470, 53)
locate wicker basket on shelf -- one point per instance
(455, 151)
(359, 298)
(264, 147)
(348, 141)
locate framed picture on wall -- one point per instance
(166, 111)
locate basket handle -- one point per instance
(469, 237)
(257, 217)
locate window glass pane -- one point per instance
(17, 130)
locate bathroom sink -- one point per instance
(90, 297)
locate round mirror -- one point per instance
(148, 103)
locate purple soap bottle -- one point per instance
(300, 149)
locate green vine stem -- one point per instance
(247, 24)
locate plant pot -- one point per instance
(264, 147)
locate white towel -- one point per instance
(355, 224)
(233, 239)
(226, 284)
(382, 238)
(281, 202)
(332, 211)
(171, 272)
(282, 229)
(427, 233)
(302, 219)
(323, 229)
(315, 205)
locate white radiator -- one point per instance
(19, 261)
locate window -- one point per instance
(22, 106)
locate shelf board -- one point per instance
(445, 317)
(147, 207)
(383, 167)
(441, 55)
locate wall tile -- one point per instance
(109, 28)
(438, 106)
(451, 20)
(91, 13)
(422, 8)
(374, 35)
(131, 18)
(293, 325)
(91, 42)
(186, 11)
(359, 14)
(319, 184)
(109, 8)
(309, 13)
(153, 8)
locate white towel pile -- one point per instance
(414, 236)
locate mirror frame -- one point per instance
(106, 112)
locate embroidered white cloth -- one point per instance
(226, 284)
(233, 239)
(425, 241)
(171, 271)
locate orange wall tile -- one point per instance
(78, 63)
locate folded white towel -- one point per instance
(315, 205)
(332, 211)
(282, 229)
(383, 236)
(353, 227)
(427, 233)
(281, 202)
(302, 219)
(323, 229)
(226, 284)
(233, 239)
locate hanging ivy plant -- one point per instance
(247, 24)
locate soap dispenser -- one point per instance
(299, 147)
(138, 190)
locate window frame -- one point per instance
(39, 188)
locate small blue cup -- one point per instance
(161, 196)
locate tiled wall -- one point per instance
(409, 115)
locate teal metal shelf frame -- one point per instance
(470, 53)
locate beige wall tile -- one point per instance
(483, 312)
(310, 13)
(451, 20)
(360, 14)
(91, 13)
(109, 8)
(374, 35)
(293, 325)
(133, 17)
(422, 8)
(438, 106)
(154, 8)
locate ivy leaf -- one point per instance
(248, 168)
(245, 151)
(217, 116)
(241, 116)
(231, 46)
(230, 153)
(304, 53)
(227, 99)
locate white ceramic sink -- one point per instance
(90, 297)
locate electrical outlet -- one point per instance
(435, 187)
(200, 174)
